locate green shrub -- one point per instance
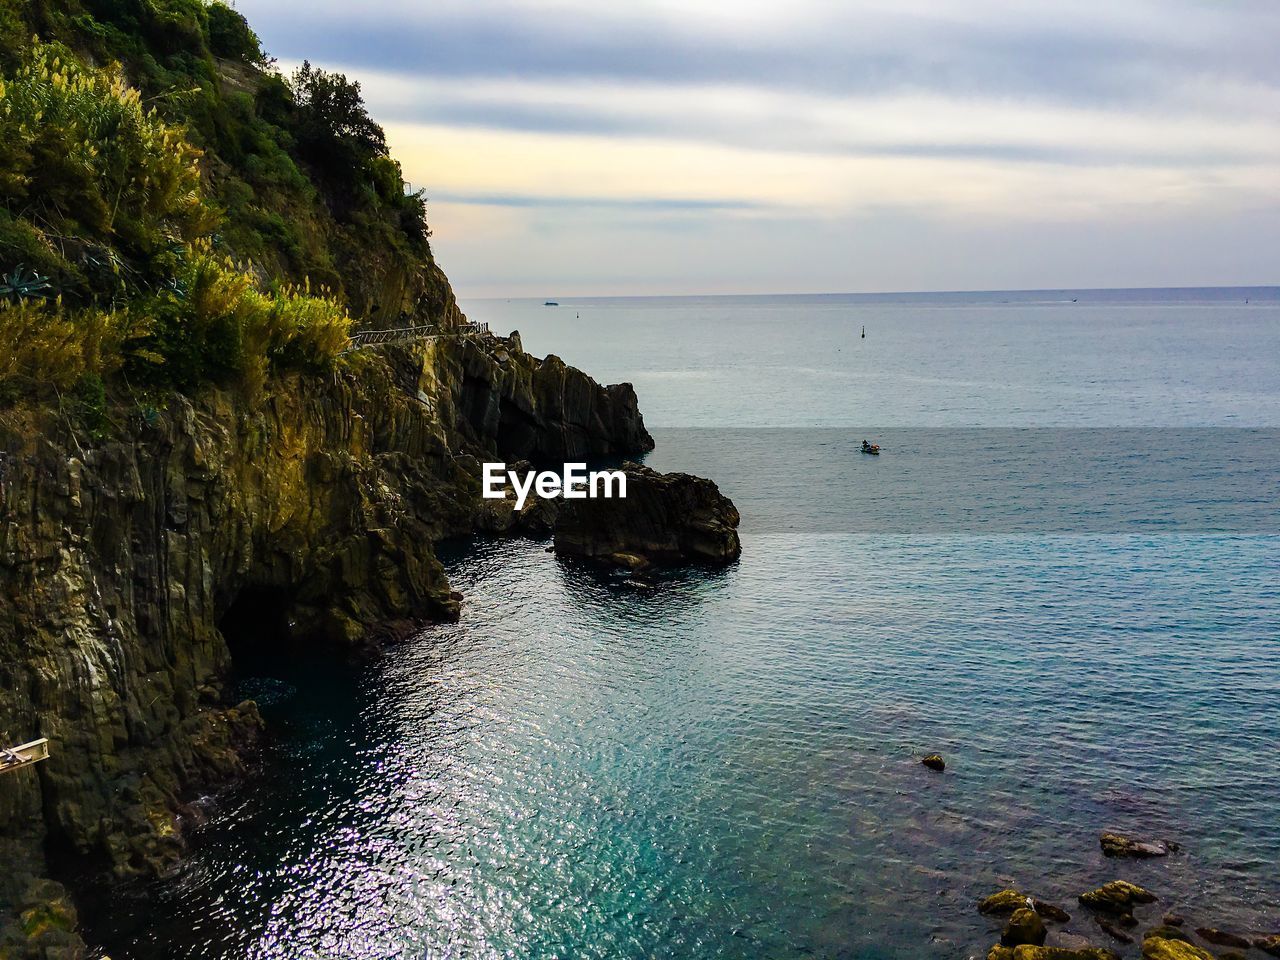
(215, 325)
(82, 156)
(89, 396)
(211, 325)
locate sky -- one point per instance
(594, 148)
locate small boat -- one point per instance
(551, 303)
(13, 758)
(871, 448)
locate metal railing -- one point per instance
(370, 338)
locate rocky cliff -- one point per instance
(132, 564)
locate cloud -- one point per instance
(561, 123)
(658, 204)
(607, 172)
(523, 253)
(909, 124)
(1081, 51)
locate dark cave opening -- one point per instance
(258, 629)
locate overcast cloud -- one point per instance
(572, 147)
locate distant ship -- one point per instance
(551, 303)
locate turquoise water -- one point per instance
(727, 765)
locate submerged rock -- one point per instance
(1111, 930)
(1050, 912)
(665, 518)
(1118, 896)
(1070, 941)
(1223, 938)
(1270, 945)
(1023, 927)
(1118, 845)
(934, 761)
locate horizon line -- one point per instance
(884, 293)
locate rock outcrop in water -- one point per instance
(1160, 948)
(545, 411)
(1269, 944)
(1116, 897)
(1118, 845)
(1024, 926)
(666, 518)
(1003, 902)
(1223, 938)
(132, 566)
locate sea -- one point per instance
(1062, 573)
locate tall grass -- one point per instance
(215, 324)
(44, 345)
(95, 178)
(85, 161)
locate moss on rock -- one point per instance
(1024, 926)
(1117, 896)
(1002, 902)
(1160, 948)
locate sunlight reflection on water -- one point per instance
(579, 769)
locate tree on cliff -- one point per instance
(332, 115)
(336, 137)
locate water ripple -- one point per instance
(725, 767)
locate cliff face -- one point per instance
(130, 567)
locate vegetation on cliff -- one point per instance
(174, 212)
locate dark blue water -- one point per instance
(727, 765)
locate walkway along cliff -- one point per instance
(130, 568)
